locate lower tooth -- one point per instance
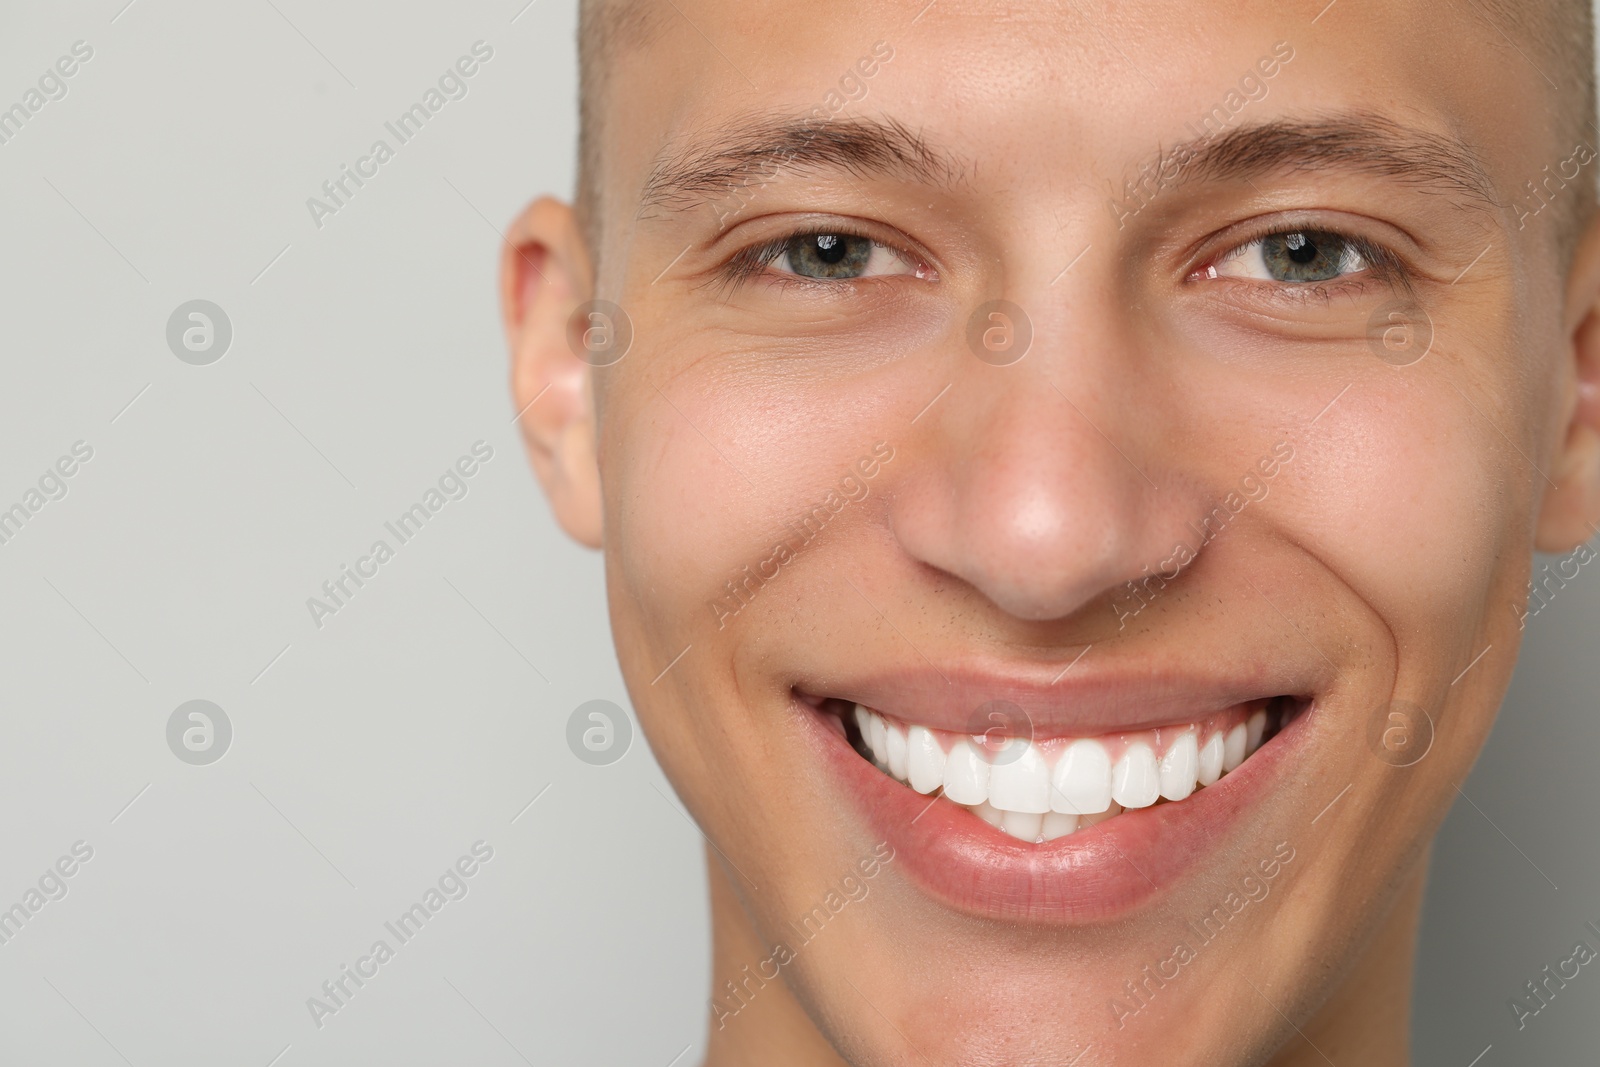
(1057, 825)
(988, 813)
(1023, 825)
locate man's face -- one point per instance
(1269, 352)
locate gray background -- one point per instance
(370, 753)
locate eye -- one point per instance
(837, 257)
(1293, 257)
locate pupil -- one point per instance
(829, 248)
(1300, 249)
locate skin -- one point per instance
(1392, 550)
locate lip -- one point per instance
(1083, 700)
(1098, 874)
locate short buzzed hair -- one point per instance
(1554, 39)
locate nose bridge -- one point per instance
(1043, 483)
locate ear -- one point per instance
(545, 274)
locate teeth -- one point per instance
(1023, 825)
(1233, 747)
(1081, 783)
(1044, 790)
(1254, 727)
(1055, 825)
(966, 774)
(1180, 767)
(1136, 779)
(925, 764)
(896, 741)
(1211, 759)
(1020, 780)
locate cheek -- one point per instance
(1418, 504)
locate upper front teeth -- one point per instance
(1041, 790)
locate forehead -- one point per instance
(1066, 94)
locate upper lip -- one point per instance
(1114, 694)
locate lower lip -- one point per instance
(1098, 874)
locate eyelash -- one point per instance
(1383, 265)
(749, 262)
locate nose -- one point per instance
(1041, 500)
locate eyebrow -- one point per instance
(1358, 142)
(750, 154)
(753, 153)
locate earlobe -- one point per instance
(1570, 513)
(545, 274)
